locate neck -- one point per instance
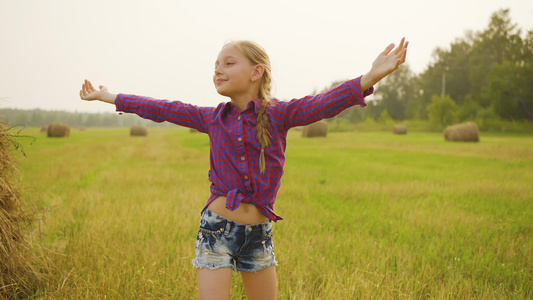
(241, 102)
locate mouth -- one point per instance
(219, 81)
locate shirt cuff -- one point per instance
(356, 83)
(366, 92)
(118, 103)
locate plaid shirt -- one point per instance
(234, 156)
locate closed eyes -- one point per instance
(226, 64)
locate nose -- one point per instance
(217, 70)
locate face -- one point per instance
(233, 73)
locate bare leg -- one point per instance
(262, 284)
(214, 284)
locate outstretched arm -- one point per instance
(387, 61)
(89, 93)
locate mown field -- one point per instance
(367, 215)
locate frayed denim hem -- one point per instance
(196, 265)
(274, 263)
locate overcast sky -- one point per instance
(167, 48)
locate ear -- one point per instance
(257, 72)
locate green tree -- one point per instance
(442, 111)
(500, 41)
(467, 71)
(385, 118)
(395, 91)
(468, 110)
(110, 120)
(509, 89)
(22, 119)
(37, 118)
(93, 120)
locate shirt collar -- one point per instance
(253, 105)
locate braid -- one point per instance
(263, 136)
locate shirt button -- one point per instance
(239, 117)
(246, 177)
(249, 229)
(239, 139)
(243, 158)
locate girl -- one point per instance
(247, 141)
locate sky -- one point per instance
(166, 49)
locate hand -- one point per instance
(89, 93)
(386, 62)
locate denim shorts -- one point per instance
(222, 243)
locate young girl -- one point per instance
(247, 141)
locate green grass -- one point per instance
(367, 215)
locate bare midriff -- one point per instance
(246, 213)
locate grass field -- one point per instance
(367, 215)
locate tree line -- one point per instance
(486, 75)
(39, 118)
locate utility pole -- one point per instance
(443, 89)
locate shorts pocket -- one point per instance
(266, 242)
(210, 239)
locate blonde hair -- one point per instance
(258, 56)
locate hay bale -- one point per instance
(19, 277)
(464, 132)
(44, 129)
(58, 129)
(399, 129)
(138, 130)
(317, 129)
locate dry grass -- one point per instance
(138, 130)
(464, 132)
(58, 129)
(317, 129)
(367, 215)
(20, 262)
(399, 129)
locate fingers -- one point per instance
(401, 51)
(400, 47)
(388, 49)
(85, 86)
(86, 89)
(405, 52)
(90, 85)
(402, 43)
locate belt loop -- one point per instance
(265, 228)
(228, 227)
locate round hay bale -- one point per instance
(138, 130)
(463, 132)
(19, 265)
(317, 129)
(399, 129)
(58, 129)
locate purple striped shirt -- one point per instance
(234, 156)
